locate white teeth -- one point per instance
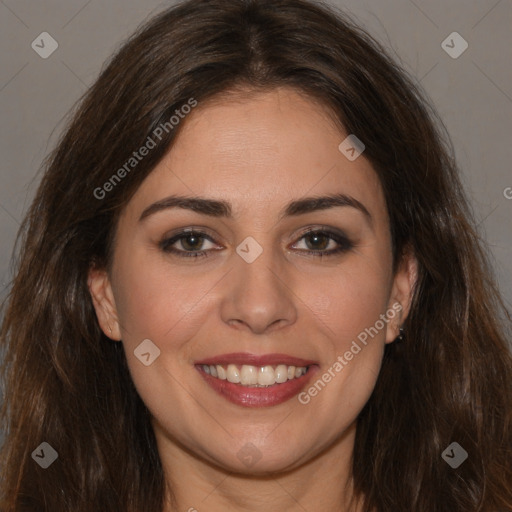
(248, 375)
(266, 376)
(255, 376)
(281, 373)
(221, 373)
(233, 374)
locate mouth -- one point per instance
(256, 381)
(255, 376)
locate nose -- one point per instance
(258, 296)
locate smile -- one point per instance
(255, 376)
(256, 381)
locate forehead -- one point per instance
(260, 150)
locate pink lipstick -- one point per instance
(253, 380)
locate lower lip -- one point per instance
(258, 397)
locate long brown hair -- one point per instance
(68, 385)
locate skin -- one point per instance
(258, 152)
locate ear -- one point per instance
(402, 290)
(104, 303)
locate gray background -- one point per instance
(472, 93)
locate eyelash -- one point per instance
(344, 244)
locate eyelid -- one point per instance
(321, 229)
(198, 230)
(344, 241)
(173, 237)
(338, 236)
(328, 230)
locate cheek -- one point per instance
(349, 299)
(150, 295)
(156, 302)
(347, 306)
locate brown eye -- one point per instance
(317, 241)
(192, 242)
(321, 242)
(188, 244)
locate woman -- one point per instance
(250, 280)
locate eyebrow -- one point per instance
(220, 208)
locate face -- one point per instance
(254, 282)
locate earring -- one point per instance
(400, 336)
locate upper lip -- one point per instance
(255, 360)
